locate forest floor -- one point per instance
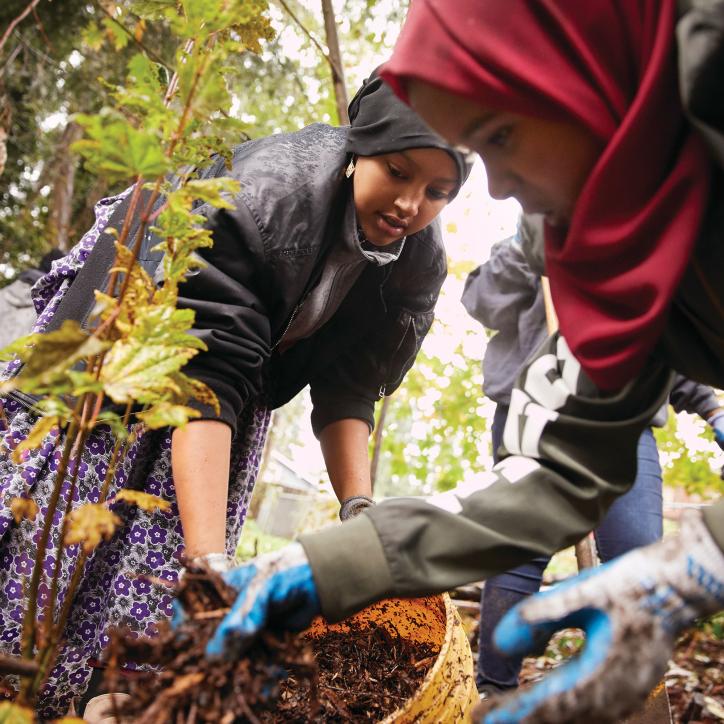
(694, 680)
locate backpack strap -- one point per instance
(79, 300)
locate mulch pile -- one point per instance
(363, 675)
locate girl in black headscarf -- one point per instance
(331, 269)
(325, 273)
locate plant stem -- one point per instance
(49, 653)
(28, 634)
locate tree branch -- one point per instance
(150, 53)
(29, 9)
(39, 23)
(317, 44)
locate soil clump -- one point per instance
(363, 675)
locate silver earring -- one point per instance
(350, 169)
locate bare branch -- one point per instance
(29, 9)
(39, 23)
(316, 43)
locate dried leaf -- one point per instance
(184, 683)
(197, 390)
(90, 524)
(35, 437)
(23, 508)
(145, 501)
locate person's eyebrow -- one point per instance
(475, 126)
(439, 179)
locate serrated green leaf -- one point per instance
(93, 36)
(153, 9)
(49, 406)
(118, 36)
(84, 382)
(53, 354)
(213, 191)
(17, 347)
(166, 414)
(196, 390)
(114, 147)
(140, 367)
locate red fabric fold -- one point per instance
(609, 65)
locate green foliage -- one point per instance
(138, 341)
(433, 427)
(686, 467)
(48, 360)
(115, 148)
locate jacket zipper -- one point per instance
(292, 317)
(383, 387)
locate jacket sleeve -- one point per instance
(231, 314)
(558, 478)
(498, 291)
(693, 397)
(378, 361)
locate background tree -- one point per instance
(50, 68)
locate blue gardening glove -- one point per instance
(717, 424)
(631, 611)
(276, 591)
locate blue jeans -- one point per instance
(634, 520)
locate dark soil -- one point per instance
(695, 680)
(360, 676)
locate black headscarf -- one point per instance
(382, 123)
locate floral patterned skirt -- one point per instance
(117, 586)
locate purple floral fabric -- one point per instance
(120, 582)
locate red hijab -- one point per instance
(609, 65)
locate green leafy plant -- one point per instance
(134, 350)
(687, 466)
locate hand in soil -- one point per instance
(274, 591)
(360, 676)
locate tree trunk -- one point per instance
(335, 62)
(5, 120)
(64, 181)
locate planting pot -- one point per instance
(447, 693)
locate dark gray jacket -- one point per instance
(268, 253)
(505, 295)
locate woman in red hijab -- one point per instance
(575, 109)
(607, 120)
